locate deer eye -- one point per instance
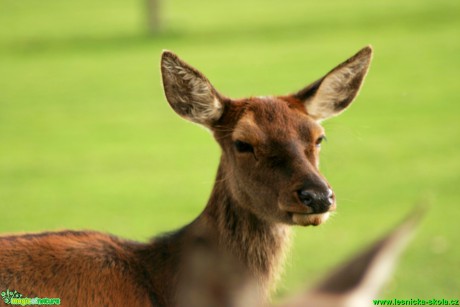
(320, 140)
(243, 146)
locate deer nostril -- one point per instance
(306, 197)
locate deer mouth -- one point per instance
(302, 215)
(300, 211)
(313, 219)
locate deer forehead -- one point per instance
(268, 120)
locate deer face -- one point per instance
(270, 145)
(273, 152)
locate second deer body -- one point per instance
(230, 255)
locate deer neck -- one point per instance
(257, 244)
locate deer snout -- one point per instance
(319, 201)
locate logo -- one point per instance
(13, 297)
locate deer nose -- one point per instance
(318, 201)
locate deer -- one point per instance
(267, 181)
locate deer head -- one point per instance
(270, 145)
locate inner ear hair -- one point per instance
(334, 92)
(188, 91)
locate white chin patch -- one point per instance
(310, 219)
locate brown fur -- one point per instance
(231, 254)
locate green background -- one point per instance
(87, 140)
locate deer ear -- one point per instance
(189, 92)
(333, 93)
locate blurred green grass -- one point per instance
(87, 140)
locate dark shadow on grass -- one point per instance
(292, 29)
(209, 36)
